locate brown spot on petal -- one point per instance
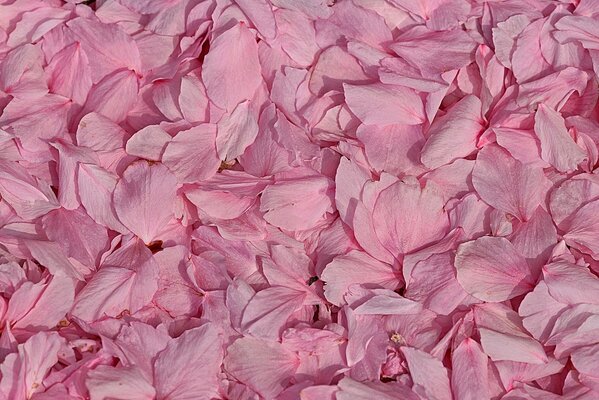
(155, 246)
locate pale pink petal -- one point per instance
(378, 104)
(535, 238)
(236, 131)
(504, 338)
(356, 267)
(407, 217)
(177, 373)
(148, 143)
(28, 196)
(296, 204)
(350, 389)
(581, 230)
(453, 135)
(433, 283)
(267, 312)
(144, 197)
(191, 155)
(79, 236)
(266, 367)
(105, 382)
(51, 307)
(435, 52)
(23, 372)
(571, 283)
(469, 375)
(96, 186)
(99, 133)
(333, 68)
(392, 148)
(69, 74)
(125, 282)
(261, 14)
(507, 184)
(114, 96)
(116, 49)
(491, 269)
(428, 374)
(557, 146)
(231, 70)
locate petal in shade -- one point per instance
(490, 269)
(144, 198)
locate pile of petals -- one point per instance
(299, 199)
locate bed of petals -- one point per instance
(299, 199)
